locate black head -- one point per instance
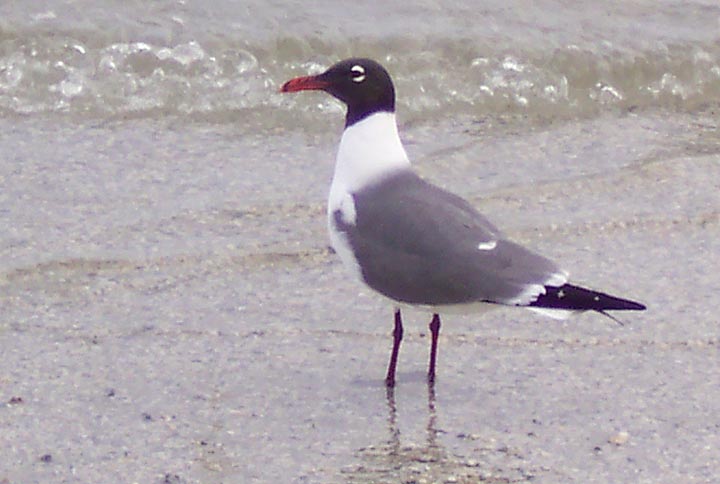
(362, 84)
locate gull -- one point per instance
(415, 243)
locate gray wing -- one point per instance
(419, 244)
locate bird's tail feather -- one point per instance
(575, 298)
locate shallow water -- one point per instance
(221, 60)
(170, 311)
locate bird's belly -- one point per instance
(465, 308)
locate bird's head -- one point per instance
(362, 84)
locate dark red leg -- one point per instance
(397, 338)
(434, 332)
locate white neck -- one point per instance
(368, 150)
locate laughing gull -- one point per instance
(414, 242)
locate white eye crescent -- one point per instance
(359, 73)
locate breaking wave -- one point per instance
(93, 76)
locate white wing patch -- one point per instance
(347, 209)
(529, 294)
(557, 279)
(490, 245)
(532, 291)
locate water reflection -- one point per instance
(404, 461)
(431, 451)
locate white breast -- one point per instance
(369, 151)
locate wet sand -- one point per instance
(183, 320)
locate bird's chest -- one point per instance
(341, 219)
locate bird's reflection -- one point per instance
(432, 430)
(431, 444)
(394, 442)
(395, 460)
(399, 459)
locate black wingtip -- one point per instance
(580, 299)
(634, 306)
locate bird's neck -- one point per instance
(370, 149)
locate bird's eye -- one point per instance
(358, 73)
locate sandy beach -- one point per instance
(170, 311)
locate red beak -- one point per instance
(304, 83)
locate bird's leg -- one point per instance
(397, 338)
(434, 332)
